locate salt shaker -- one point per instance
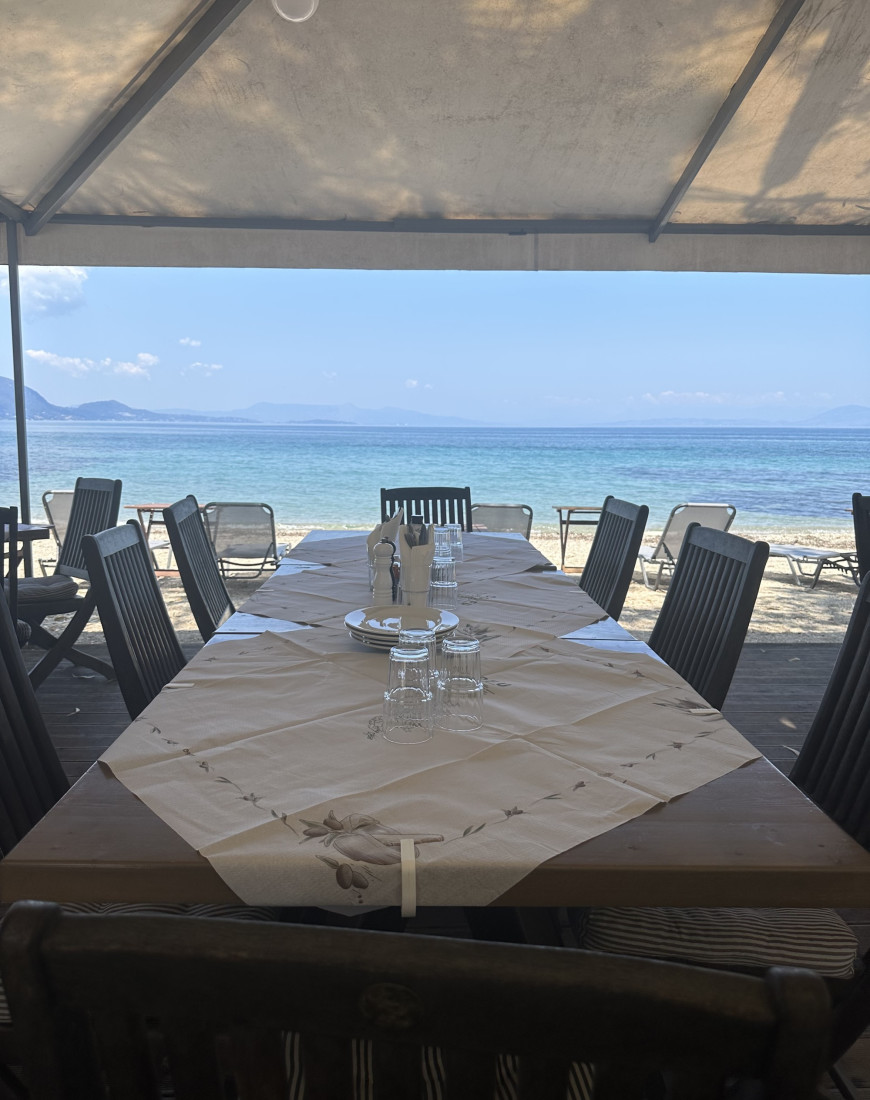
(382, 590)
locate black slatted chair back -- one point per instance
(222, 995)
(9, 557)
(31, 777)
(94, 508)
(612, 556)
(861, 519)
(833, 767)
(197, 565)
(705, 615)
(438, 504)
(142, 643)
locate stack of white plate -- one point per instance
(378, 627)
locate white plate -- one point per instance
(373, 643)
(379, 623)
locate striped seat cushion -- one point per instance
(22, 632)
(579, 1087)
(31, 589)
(115, 909)
(814, 938)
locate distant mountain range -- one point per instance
(267, 412)
(264, 412)
(37, 408)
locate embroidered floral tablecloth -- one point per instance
(265, 754)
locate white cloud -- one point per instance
(78, 367)
(702, 397)
(190, 342)
(204, 369)
(329, 375)
(47, 291)
(134, 370)
(411, 383)
(66, 363)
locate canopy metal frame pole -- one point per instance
(18, 383)
(739, 91)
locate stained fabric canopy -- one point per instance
(722, 135)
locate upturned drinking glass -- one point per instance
(408, 702)
(459, 691)
(417, 637)
(442, 584)
(443, 543)
(455, 535)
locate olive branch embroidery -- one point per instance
(209, 769)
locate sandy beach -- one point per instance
(784, 612)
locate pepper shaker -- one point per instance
(382, 592)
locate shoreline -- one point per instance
(784, 611)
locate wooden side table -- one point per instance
(574, 515)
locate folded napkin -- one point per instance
(386, 530)
(415, 561)
(390, 529)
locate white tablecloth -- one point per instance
(265, 753)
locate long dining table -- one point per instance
(600, 777)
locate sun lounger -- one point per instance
(663, 556)
(807, 562)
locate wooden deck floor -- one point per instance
(773, 698)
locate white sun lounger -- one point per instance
(663, 556)
(807, 562)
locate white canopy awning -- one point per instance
(476, 134)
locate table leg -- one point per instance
(564, 528)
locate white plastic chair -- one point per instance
(502, 517)
(57, 504)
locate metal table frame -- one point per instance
(574, 515)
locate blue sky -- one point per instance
(523, 348)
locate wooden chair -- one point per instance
(502, 517)
(243, 536)
(833, 769)
(706, 611)
(31, 782)
(861, 519)
(220, 997)
(9, 557)
(142, 643)
(610, 564)
(95, 507)
(200, 574)
(9, 569)
(437, 504)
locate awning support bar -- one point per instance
(18, 381)
(742, 86)
(176, 63)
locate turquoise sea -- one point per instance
(330, 476)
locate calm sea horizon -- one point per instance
(330, 476)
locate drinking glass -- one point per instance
(417, 637)
(443, 544)
(460, 688)
(442, 584)
(408, 702)
(455, 535)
